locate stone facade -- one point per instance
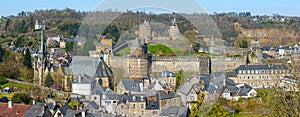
(261, 76)
(145, 31)
(221, 63)
(175, 63)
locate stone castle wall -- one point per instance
(221, 63)
(172, 63)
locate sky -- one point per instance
(256, 7)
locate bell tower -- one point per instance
(40, 59)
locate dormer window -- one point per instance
(133, 98)
(142, 98)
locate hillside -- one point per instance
(233, 26)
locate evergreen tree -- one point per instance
(2, 53)
(49, 81)
(179, 76)
(27, 59)
(21, 98)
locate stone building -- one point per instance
(255, 55)
(137, 105)
(168, 79)
(222, 63)
(175, 63)
(295, 64)
(174, 31)
(261, 76)
(145, 31)
(139, 61)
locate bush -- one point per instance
(3, 81)
(21, 98)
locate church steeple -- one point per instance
(42, 47)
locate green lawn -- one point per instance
(160, 49)
(124, 51)
(8, 95)
(11, 84)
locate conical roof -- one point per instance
(102, 69)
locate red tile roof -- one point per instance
(17, 110)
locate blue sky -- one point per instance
(257, 7)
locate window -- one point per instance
(142, 105)
(192, 98)
(114, 101)
(133, 105)
(95, 98)
(108, 102)
(133, 98)
(154, 112)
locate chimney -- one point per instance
(224, 82)
(10, 104)
(83, 114)
(97, 81)
(79, 79)
(54, 103)
(33, 102)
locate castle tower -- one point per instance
(174, 30)
(255, 56)
(145, 30)
(139, 60)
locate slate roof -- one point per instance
(73, 113)
(111, 95)
(244, 90)
(64, 109)
(131, 85)
(83, 65)
(261, 67)
(167, 73)
(137, 98)
(156, 82)
(37, 110)
(18, 110)
(266, 48)
(84, 79)
(233, 90)
(185, 88)
(175, 111)
(166, 95)
(99, 114)
(4, 99)
(52, 106)
(265, 55)
(152, 105)
(212, 88)
(96, 88)
(92, 105)
(231, 74)
(102, 69)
